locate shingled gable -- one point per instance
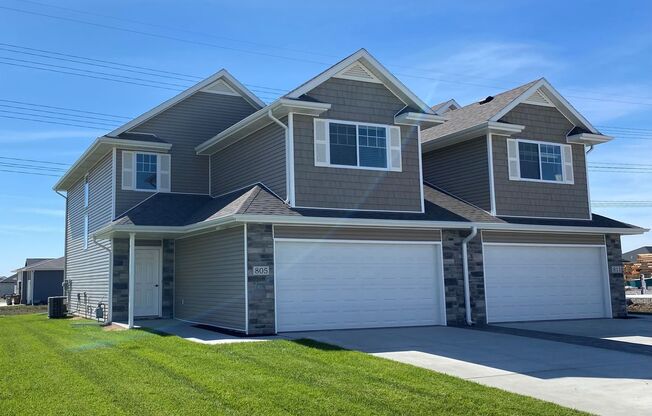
(486, 114)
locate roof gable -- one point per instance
(222, 82)
(362, 66)
(542, 92)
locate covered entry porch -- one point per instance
(142, 285)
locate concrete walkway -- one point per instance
(591, 379)
(192, 333)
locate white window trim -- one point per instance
(539, 142)
(357, 124)
(86, 191)
(133, 186)
(86, 231)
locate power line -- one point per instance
(63, 108)
(35, 161)
(29, 173)
(264, 53)
(37, 110)
(97, 123)
(32, 167)
(53, 122)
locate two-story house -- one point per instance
(346, 203)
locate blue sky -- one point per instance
(598, 56)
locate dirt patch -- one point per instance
(113, 327)
(640, 308)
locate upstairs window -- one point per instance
(357, 145)
(540, 161)
(148, 172)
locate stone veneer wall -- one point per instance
(121, 279)
(454, 277)
(616, 280)
(260, 289)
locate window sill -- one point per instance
(541, 181)
(355, 167)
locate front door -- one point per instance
(147, 279)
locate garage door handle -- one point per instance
(155, 285)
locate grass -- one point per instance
(22, 309)
(74, 367)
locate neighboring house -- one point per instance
(7, 285)
(346, 203)
(632, 256)
(39, 279)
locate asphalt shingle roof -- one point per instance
(168, 209)
(473, 114)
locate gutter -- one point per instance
(465, 264)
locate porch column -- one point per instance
(132, 272)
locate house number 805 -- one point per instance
(261, 270)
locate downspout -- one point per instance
(465, 264)
(287, 147)
(590, 149)
(65, 251)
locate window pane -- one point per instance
(343, 144)
(528, 155)
(551, 165)
(373, 149)
(145, 171)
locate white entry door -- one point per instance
(543, 282)
(147, 279)
(338, 284)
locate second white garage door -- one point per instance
(540, 282)
(337, 285)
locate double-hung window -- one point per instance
(540, 161)
(149, 172)
(357, 145)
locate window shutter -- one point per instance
(321, 142)
(512, 159)
(128, 170)
(567, 154)
(395, 148)
(164, 173)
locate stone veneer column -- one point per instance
(616, 280)
(260, 289)
(454, 277)
(167, 289)
(120, 279)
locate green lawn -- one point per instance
(74, 367)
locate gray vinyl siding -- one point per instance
(89, 269)
(462, 170)
(127, 199)
(327, 187)
(538, 199)
(210, 279)
(541, 238)
(260, 157)
(346, 233)
(47, 283)
(186, 125)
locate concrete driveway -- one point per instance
(637, 329)
(592, 379)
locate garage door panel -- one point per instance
(328, 285)
(544, 282)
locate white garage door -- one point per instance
(336, 285)
(529, 283)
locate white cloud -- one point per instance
(602, 104)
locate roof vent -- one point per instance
(357, 72)
(486, 100)
(220, 87)
(538, 97)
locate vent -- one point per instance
(220, 87)
(357, 72)
(486, 100)
(539, 98)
